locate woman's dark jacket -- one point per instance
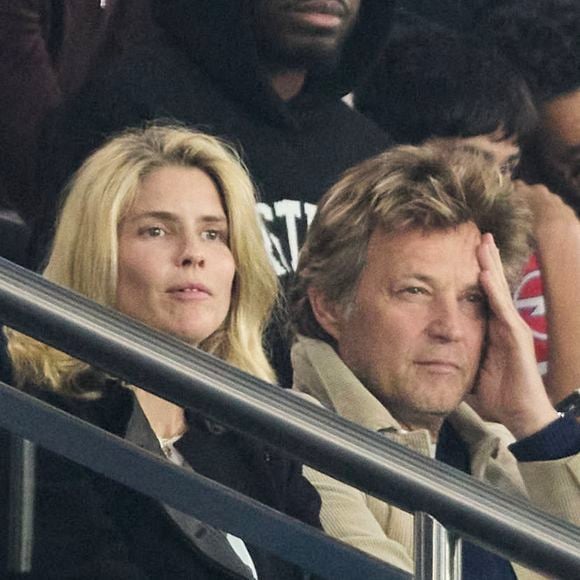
(88, 526)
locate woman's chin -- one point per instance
(191, 336)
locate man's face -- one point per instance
(303, 34)
(415, 331)
(560, 143)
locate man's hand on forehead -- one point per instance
(510, 387)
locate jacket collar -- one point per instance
(211, 542)
(319, 372)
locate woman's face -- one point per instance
(175, 266)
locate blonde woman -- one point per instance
(159, 224)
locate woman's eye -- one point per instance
(212, 235)
(155, 232)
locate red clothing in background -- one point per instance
(529, 300)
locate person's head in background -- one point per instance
(303, 34)
(434, 83)
(542, 40)
(300, 42)
(160, 224)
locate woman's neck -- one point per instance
(166, 419)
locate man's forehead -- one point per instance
(423, 235)
(421, 251)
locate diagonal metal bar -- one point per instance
(167, 367)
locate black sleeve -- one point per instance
(559, 439)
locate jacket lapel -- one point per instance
(211, 542)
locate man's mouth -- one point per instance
(331, 7)
(320, 13)
(439, 366)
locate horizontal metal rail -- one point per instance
(186, 491)
(163, 365)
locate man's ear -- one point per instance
(327, 313)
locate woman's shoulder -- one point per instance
(99, 400)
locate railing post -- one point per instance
(437, 551)
(21, 504)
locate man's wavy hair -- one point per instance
(432, 187)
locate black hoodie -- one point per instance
(205, 72)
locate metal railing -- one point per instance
(182, 489)
(131, 351)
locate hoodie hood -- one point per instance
(218, 36)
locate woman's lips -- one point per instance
(190, 292)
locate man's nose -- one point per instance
(447, 322)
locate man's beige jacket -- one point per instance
(386, 531)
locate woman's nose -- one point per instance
(191, 252)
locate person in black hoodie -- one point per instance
(267, 75)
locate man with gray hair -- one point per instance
(403, 309)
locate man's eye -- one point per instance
(478, 303)
(476, 298)
(414, 290)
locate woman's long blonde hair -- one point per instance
(85, 249)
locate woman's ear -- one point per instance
(328, 314)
